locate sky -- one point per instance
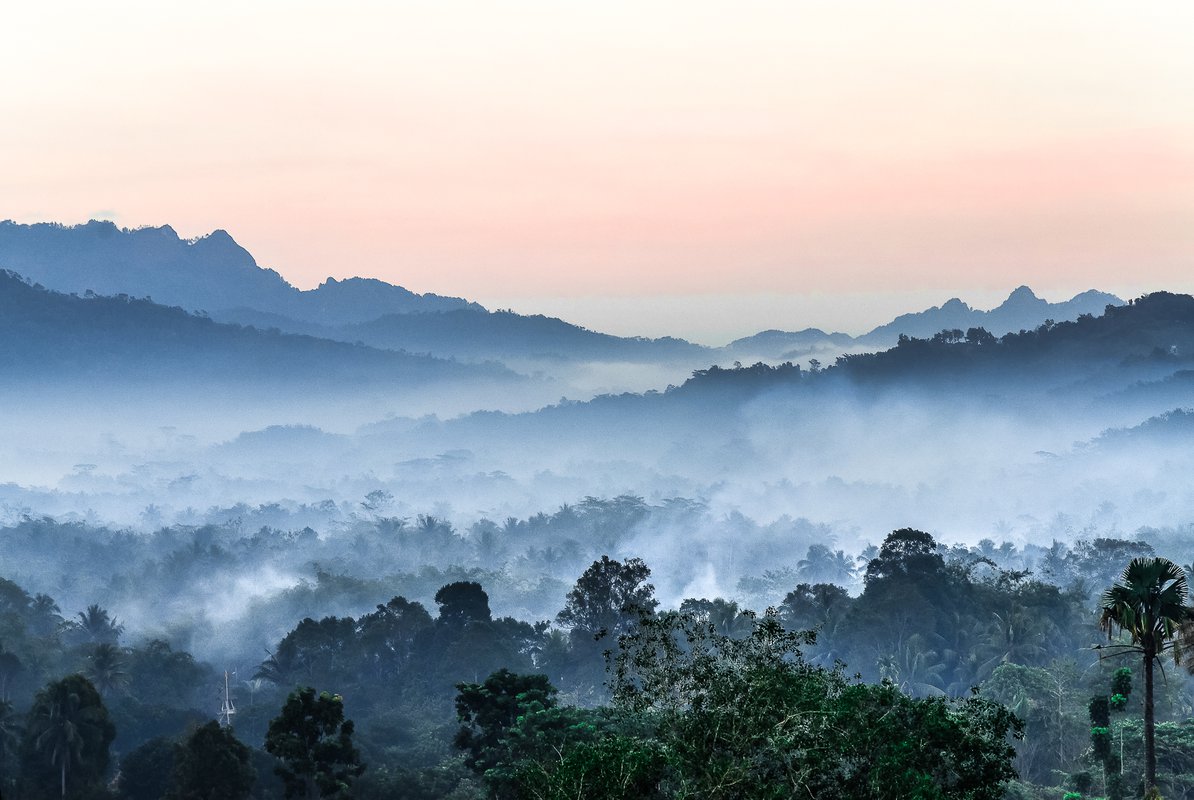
(694, 168)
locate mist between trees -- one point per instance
(398, 617)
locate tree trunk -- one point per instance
(1150, 745)
(63, 778)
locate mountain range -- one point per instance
(216, 275)
(210, 273)
(51, 336)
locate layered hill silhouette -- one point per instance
(1136, 358)
(51, 335)
(474, 335)
(1021, 311)
(216, 275)
(210, 273)
(1150, 337)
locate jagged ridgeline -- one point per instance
(216, 275)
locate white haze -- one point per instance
(839, 465)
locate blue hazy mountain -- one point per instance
(211, 273)
(51, 335)
(1022, 310)
(215, 274)
(789, 345)
(479, 335)
(1132, 358)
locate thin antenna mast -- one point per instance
(227, 709)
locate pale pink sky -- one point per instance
(815, 156)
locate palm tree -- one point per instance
(914, 668)
(97, 626)
(105, 669)
(1148, 602)
(823, 565)
(69, 724)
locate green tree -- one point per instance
(750, 718)
(313, 742)
(488, 710)
(608, 597)
(211, 765)
(388, 634)
(146, 772)
(906, 554)
(463, 601)
(610, 767)
(1148, 603)
(67, 738)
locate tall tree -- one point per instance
(1148, 603)
(147, 771)
(608, 597)
(463, 601)
(211, 765)
(488, 710)
(313, 742)
(96, 625)
(67, 736)
(105, 669)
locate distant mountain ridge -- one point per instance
(211, 273)
(1022, 310)
(216, 275)
(485, 335)
(95, 340)
(1133, 357)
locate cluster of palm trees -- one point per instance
(1148, 607)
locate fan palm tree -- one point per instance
(1148, 603)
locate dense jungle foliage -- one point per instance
(913, 669)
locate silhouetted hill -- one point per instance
(217, 275)
(52, 335)
(503, 334)
(1174, 428)
(210, 273)
(788, 344)
(479, 335)
(1022, 310)
(1146, 344)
